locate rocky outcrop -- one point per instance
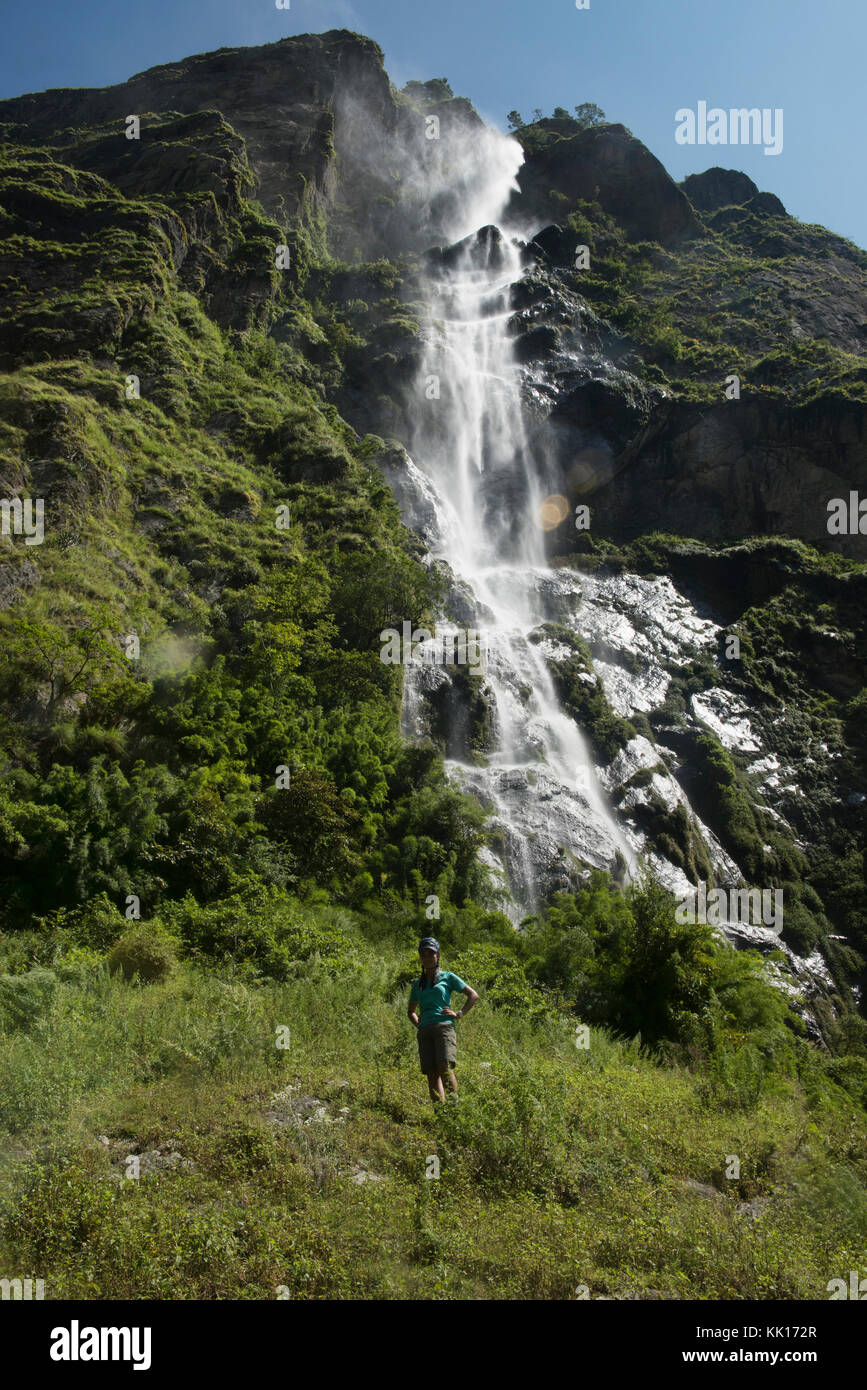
(741, 468)
(279, 97)
(719, 188)
(481, 250)
(609, 165)
(326, 139)
(646, 458)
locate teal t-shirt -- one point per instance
(436, 997)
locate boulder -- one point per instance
(555, 244)
(482, 250)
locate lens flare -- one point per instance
(553, 511)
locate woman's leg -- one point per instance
(435, 1085)
(453, 1080)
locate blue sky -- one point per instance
(640, 60)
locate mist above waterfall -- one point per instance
(437, 175)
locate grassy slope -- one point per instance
(560, 1167)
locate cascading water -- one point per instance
(482, 500)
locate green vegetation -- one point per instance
(798, 615)
(582, 694)
(259, 645)
(534, 134)
(560, 1165)
(429, 93)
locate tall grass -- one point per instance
(560, 1168)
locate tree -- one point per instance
(315, 821)
(66, 662)
(437, 89)
(515, 119)
(375, 590)
(589, 114)
(561, 114)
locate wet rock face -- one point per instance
(463, 716)
(543, 834)
(538, 343)
(642, 632)
(482, 250)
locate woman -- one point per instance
(437, 1041)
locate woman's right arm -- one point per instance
(411, 1013)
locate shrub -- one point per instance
(79, 966)
(145, 951)
(511, 1138)
(851, 1074)
(96, 924)
(25, 998)
(496, 971)
(263, 927)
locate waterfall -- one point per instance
(481, 498)
(477, 495)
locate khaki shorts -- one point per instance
(437, 1046)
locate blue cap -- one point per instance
(430, 941)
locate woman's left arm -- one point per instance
(472, 998)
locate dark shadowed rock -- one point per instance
(615, 407)
(719, 188)
(482, 250)
(539, 342)
(767, 205)
(556, 244)
(608, 165)
(279, 97)
(748, 467)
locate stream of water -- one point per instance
(483, 499)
